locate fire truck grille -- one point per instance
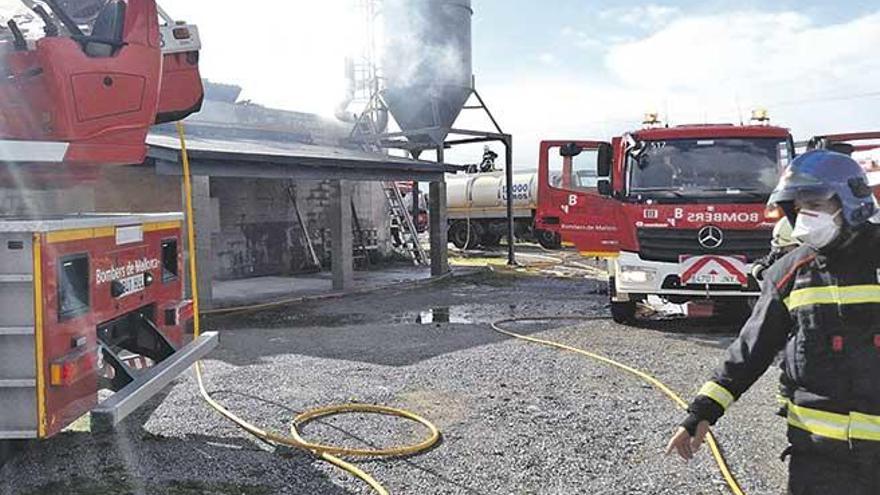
(669, 244)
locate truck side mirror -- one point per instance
(605, 156)
(604, 186)
(570, 150)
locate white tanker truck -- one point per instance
(479, 201)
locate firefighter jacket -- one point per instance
(823, 310)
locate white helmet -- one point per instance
(782, 234)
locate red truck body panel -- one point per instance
(100, 270)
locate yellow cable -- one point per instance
(327, 453)
(710, 439)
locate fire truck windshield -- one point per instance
(700, 166)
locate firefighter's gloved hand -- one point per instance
(758, 271)
(685, 444)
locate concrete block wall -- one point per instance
(252, 225)
(116, 189)
(259, 233)
(137, 189)
(33, 202)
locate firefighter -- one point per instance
(821, 305)
(488, 162)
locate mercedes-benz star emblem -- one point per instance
(710, 237)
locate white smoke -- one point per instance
(425, 44)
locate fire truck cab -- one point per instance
(679, 212)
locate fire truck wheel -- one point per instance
(458, 235)
(548, 240)
(623, 312)
(491, 240)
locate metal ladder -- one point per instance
(18, 370)
(400, 214)
(409, 235)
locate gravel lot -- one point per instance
(516, 417)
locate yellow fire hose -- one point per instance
(710, 438)
(327, 453)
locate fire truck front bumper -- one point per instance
(634, 275)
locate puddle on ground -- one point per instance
(443, 315)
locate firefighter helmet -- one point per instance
(829, 174)
(782, 235)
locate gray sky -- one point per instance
(578, 69)
(582, 69)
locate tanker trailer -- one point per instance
(477, 209)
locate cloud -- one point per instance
(644, 16)
(759, 58)
(709, 68)
(548, 58)
(290, 56)
(580, 38)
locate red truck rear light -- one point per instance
(179, 314)
(72, 368)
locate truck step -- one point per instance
(18, 383)
(109, 413)
(18, 435)
(16, 330)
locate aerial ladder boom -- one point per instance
(88, 90)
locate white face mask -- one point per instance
(816, 228)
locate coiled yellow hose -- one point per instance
(327, 453)
(710, 438)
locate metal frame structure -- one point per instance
(365, 134)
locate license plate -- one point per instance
(713, 270)
(713, 278)
(132, 284)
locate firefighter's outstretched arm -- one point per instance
(748, 357)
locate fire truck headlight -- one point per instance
(148, 279)
(636, 274)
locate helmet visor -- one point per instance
(801, 187)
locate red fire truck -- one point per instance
(90, 302)
(679, 212)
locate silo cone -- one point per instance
(427, 64)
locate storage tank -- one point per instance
(483, 195)
(426, 62)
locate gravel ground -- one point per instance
(516, 417)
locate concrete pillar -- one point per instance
(202, 213)
(437, 214)
(342, 242)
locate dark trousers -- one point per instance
(847, 474)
